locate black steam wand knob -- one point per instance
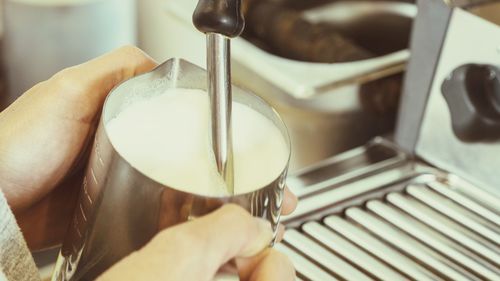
(219, 16)
(472, 92)
(220, 20)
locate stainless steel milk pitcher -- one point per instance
(120, 209)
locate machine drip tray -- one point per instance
(382, 216)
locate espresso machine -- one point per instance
(425, 205)
(332, 69)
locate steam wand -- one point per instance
(220, 20)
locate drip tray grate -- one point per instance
(421, 225)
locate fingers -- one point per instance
(231, 232)
(90, 82)
(270, 265)
(47, 129)
(45, 223)
(281, 233)
(289, 202)
(196, 250)
(275, 266)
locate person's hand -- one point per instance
(44, 136)
(198, 249)
(44, 141)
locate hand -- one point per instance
(196, 250)
(44, 136)
(44, 141)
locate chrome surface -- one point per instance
(325, 259)
(384, 216)
(426, 234)
(431, 215)
(342, 247)
(219, 90)
(404, 243)
(369, 243)
(445, 149)
(322, 103)
(120, 209)
(306, 269)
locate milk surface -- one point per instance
(166, 137)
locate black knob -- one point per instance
(472, 92)
(219, 16)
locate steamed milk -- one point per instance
(166, 137)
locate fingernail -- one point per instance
(291, 196)
(261, 241)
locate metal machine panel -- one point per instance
(470, 39)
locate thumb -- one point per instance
(197, 249)
(87, 85)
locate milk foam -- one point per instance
(166, 137)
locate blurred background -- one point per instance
(333, 69)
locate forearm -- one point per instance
(16, 261)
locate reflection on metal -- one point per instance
(307, 270)
(325, 259)
(390, 218)
(120, 209)
(438, 220)
(219, 91)
(404, 243)
(344, 248)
